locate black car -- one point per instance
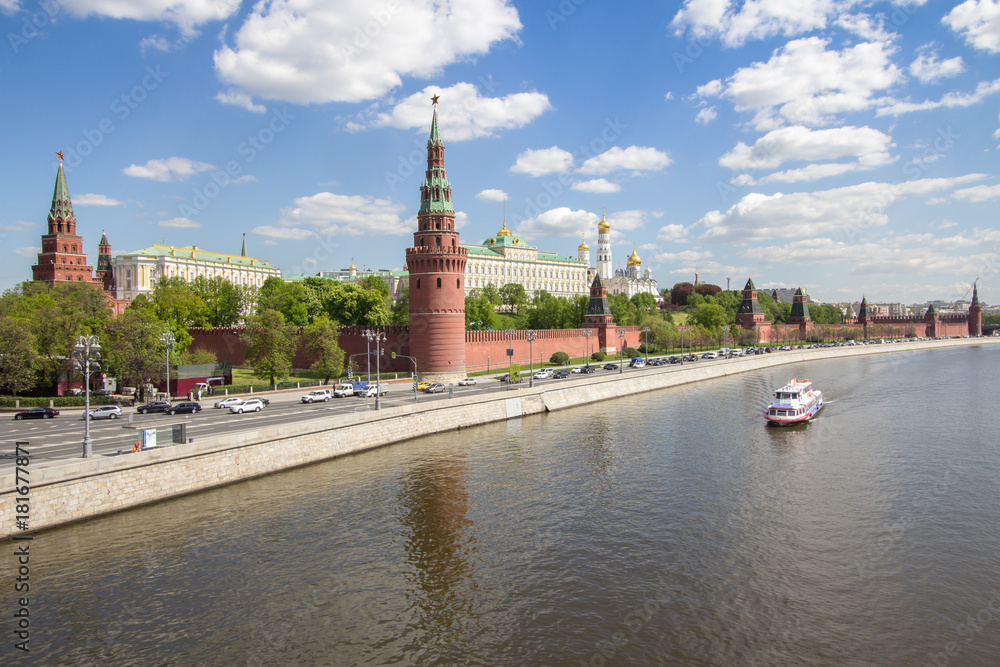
(559, 375)
(154, 406)
(37, 413)
(610, 367)
(587, 369)
(187, 406)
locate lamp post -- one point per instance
(510, 356)
(645, 343)
(487, 364)
(168, 344)
(394, 355)
(379, 338)
(531, 336)
(725, 339)
(586, 359)
(86, 352)
(621, 349)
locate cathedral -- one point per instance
(630, 281)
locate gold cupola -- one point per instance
(504, 231)
(583, 244)
(633, 259)
(603, 226)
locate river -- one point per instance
(668, 528)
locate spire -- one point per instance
(104, 239)
(243, 252)
(435, 192)
(61, 210)
(975, 293)
(603, 226)
(435, 138)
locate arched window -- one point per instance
(418, 283)
(458, 283)
(439, 283)
(438, 240)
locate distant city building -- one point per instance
(394, 280)
(137, 272)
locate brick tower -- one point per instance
(750, 315)
(599, 313)
(975, 314)
(62, 258)
(436, 264)
(800, 312)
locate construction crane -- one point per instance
(954, 304)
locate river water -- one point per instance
(670, 528)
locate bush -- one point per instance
(57, 401)
(559, 358)
(597, 356)
(630, 352)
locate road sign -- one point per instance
(393, 355)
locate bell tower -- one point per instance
(436, 264)
(62, 258)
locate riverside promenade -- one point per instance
(64, 491)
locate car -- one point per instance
(37, 413)
(506, 378)
(436, 388)
(543, 374)
(105, 412)
(588, 369)
(228, 402)
(559, 375)
(249, 405)
(576, 369)
(710, 355)
(467, 382)
(342, 390)
(189, 407)
(610, 367)
(317, 395)
(373, 390)
(423, 386)
(154, 406)
(674, 360)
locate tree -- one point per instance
(706, 289)
(224, 301)
(680, 293)
(289, 299)
(514, 297)
(270, 346)
(195, 357)
(18, 359)
(133, 349)
(709, 315)
(400, 314)
(320, 341)
(479, 312)
(559, 358)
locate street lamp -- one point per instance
(394, 355)
(621, 349)
(586, 359)
(378, 337)
(645, 343)
(487, 364)
(510, 356)
(531, 336)
(725, 340)
(168, 344)
(86, 352)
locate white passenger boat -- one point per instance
(794, 403)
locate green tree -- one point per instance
(224, 301)
(270, 346)
(320, 341)
(560, 358)
(709, 315)
(400, 314)
(194, 357)
(479, 312)
(18, 359)
(513, 296)
(132, 347)
(289, 299)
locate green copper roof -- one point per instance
(192, 252)
(62, 207)
(243, 252)
(435, 138)
(800, 309)
(104, 238)
(749, 305)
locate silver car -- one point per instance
(105, 412)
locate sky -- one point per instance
(846, 146)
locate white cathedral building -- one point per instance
(630, 281)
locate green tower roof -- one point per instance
(435, 138)
(61, 207)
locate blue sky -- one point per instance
(846, 146)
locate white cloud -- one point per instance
(849, 210)
(326, 214)
(170, 169)
(19, 226)
(154, 43)
(270, 242)
(315, 51)
(30, 251)
(596, 186)
(94, 200)
(238, 98)
(684, 257)
(791, 144)
(803, 83)
(543, 161)
(559, 222)
(180, 223)
(630, 220)
(949, 101)
(979, 21)
(8, 6)
(929, 69)
(978, 193)
(868, 28)
(706, 115)
(185, 14)
(462, 112)
(669, 233)
(635, 158)
(668, 96)
(737, 22)
(492, 195)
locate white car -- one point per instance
(373, 389)
(543, 374)
(316, 395)
(342, 390)
(105, 412)
(249, 405)
(228, 402)
(466, 382)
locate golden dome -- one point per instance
(633, 259)
(504, 231)
(604, 226)
(583, 245)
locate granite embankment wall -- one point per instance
(64, 492)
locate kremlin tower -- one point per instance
(975, 313)
(436, 264)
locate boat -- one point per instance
(795, 403)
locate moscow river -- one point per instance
(669, 528)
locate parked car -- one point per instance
(588, 369)
(189, 407)
(710, 355)
(506, 378)
(543, 374)
(342, 390)
(423, 386)
(637, 362)
(105, 412)
(373, 390)
(154, 406)
(435, 388)
(37, 413)
(466, 382)
(317, 395)
(249, 405)
(610, 367)
(559, 375)
(674, 360)
(228, 402)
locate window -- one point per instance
(439, 283)
(458, 283)
(418, 283)
(438, 241)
